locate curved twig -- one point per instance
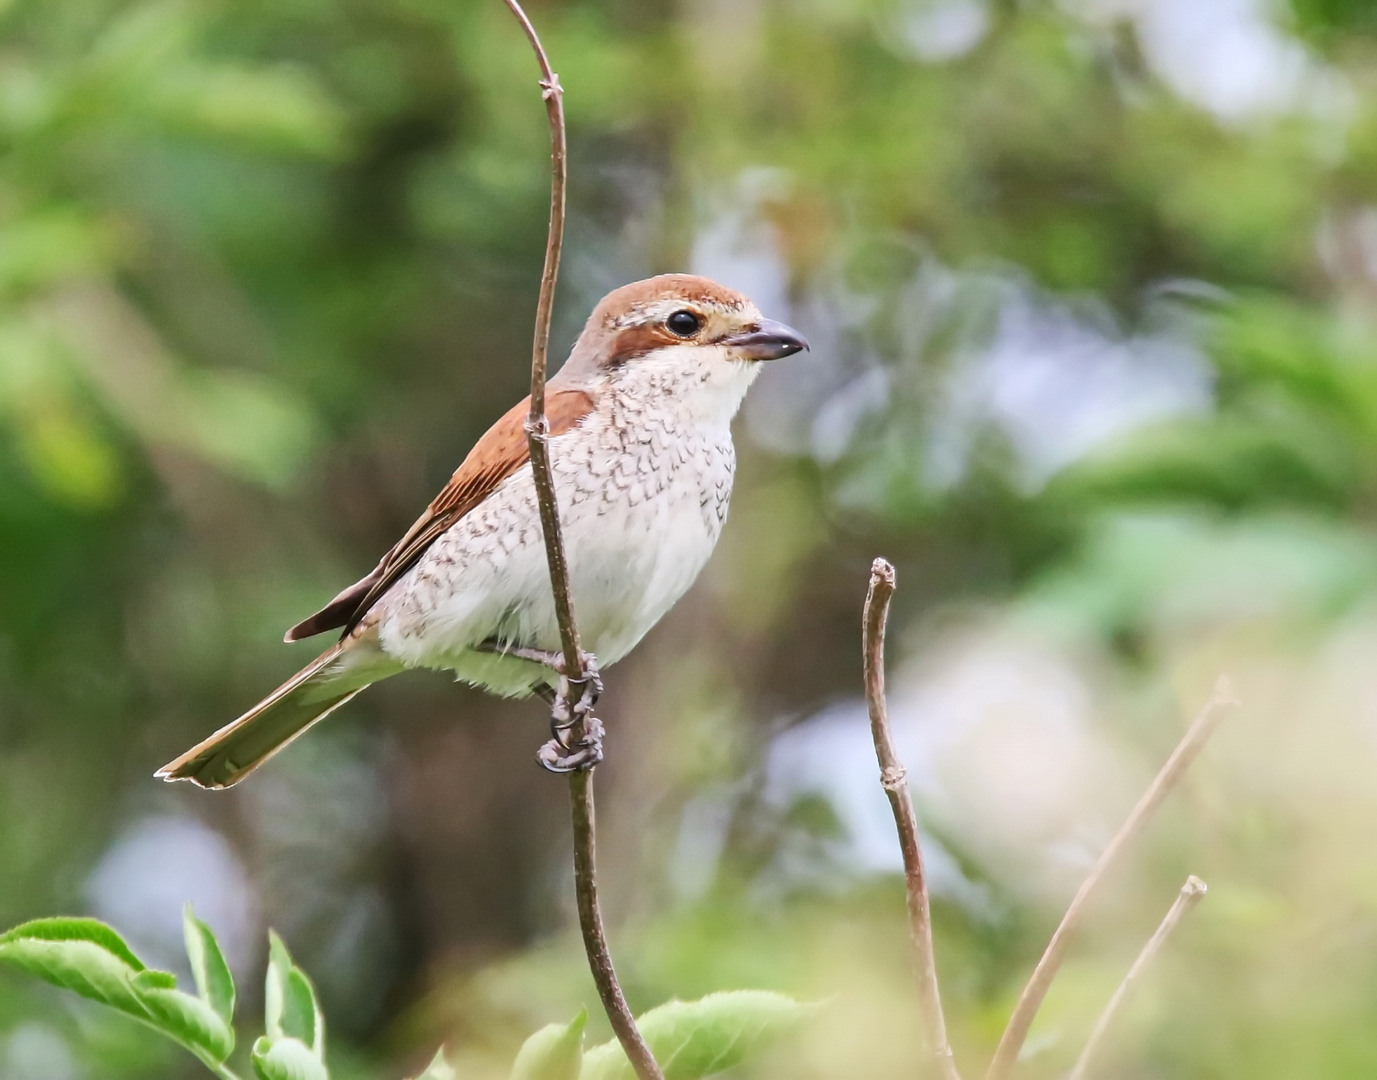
(537, 434)
(1186, 752)
(537, 426)
(1192, 892)
(893, 779)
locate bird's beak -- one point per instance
(767, 340)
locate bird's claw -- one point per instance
(559, 756)
(589, 687)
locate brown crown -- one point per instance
(619, 303)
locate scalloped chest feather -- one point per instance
(643, 484)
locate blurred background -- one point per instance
(1090, 288)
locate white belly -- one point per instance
(641, 517)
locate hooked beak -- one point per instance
(767, 340)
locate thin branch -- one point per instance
(1192, 892)
(1185, 753)
(894, 780)
(537, 434)
(537, 425)
(594, 936)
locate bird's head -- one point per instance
(678, 329)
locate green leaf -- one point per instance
(438, 1069)
(286, 1059)
(74, 929)
(188, 1020)
(291, 1006)
(150, 979)
(693, 1039)
(555, 1052)
(90, 959)
(81, 955)
(214, 982)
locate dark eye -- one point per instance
(684, 323)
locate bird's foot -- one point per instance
(590, 685)
(589, 688)
(560, 755)
(577, 733)
(566, 752)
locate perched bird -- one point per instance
(641, 453)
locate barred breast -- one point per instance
(643, 491)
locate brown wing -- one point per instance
(498, 454)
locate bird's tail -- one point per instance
(312, 694)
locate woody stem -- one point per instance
(537, 434)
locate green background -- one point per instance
(1090, 287)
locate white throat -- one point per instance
(700, 384)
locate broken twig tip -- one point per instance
(1224, 692)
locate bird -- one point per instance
(642, 458)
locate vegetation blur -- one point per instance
(1090, 289)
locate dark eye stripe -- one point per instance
(636, 341)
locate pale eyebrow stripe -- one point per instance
(662, 309)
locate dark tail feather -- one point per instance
(336, 613)
(310, 695)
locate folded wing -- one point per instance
(498, 454)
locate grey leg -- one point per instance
(561, 754)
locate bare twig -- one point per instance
(894, 780)
(1192, 892)
(537, 425)
(1186, 752)
(537, 434)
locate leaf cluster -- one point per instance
(692, 1039)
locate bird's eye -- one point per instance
(684, 323)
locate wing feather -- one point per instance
(498, 454)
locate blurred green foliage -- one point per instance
(1090, 287)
